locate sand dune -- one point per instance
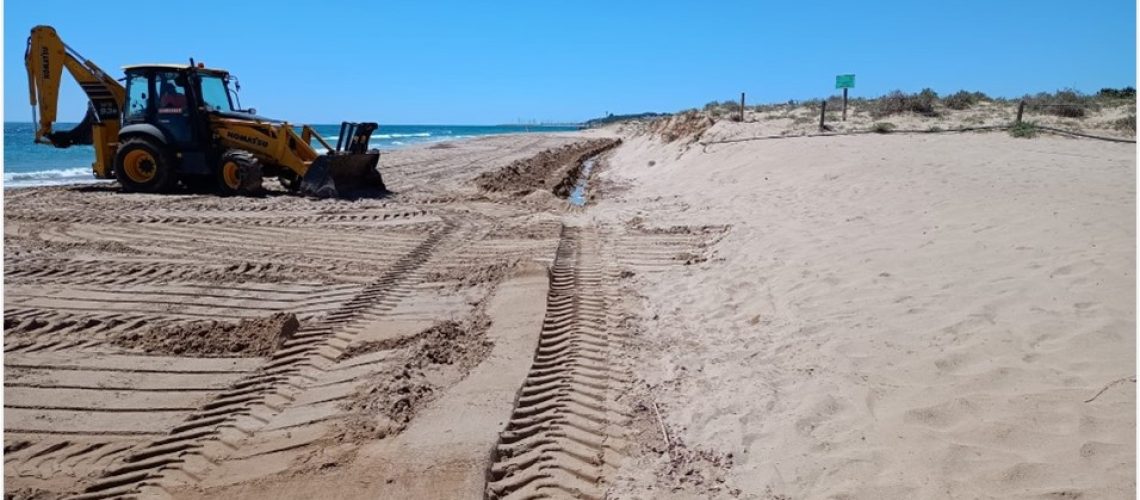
(895, 316)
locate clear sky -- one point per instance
(474, 62)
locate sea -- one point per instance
(29, 164)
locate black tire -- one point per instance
(142, 165)
(238, 173)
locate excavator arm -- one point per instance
(46, 58)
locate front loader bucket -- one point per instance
(344, 175)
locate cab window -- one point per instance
(171, 94)
(137, 97)
(214, 94)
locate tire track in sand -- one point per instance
(246, 406)
(564, 435)
(190, 218)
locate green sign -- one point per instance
(844, 81)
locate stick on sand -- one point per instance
(1102, 389)
(664, 432)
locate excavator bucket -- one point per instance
(344, 175)
(348, 173)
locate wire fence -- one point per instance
(1022, 105)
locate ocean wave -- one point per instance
(48, 174)
(393, 136)
(49, 177)
(385, 136)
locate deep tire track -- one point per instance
(564, 437)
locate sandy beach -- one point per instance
(870, 316)
(893, 316)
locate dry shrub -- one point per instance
(1024, 130)
(1066, 103)
(1122, 93)
(964, 100)
(899, 102)
(1126, 124)
(883, 127)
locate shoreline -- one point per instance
(383, 151)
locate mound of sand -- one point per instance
(466, 276)
(462, 345)
(253, 337)
(689, 126)
(447, 342)
(389, 399)
(543, 170)
(543, 200)
(384, 404)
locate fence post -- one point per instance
(742, 107)
(844, 103)
(1020, 110)
(822, 113)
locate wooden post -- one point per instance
(742, 107)
(844, 103)
(1020, 110)
(822, 112)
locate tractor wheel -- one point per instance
(144, 166)
(239, 173)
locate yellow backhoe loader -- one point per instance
(174, 124)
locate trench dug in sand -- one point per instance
(577, 195)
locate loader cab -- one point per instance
(172, 103)
(160, 96)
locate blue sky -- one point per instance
(477, 62)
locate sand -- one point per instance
(891, 316)
(254, 337)
(870, 316)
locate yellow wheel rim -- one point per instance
(140, 167)
(230, 175)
